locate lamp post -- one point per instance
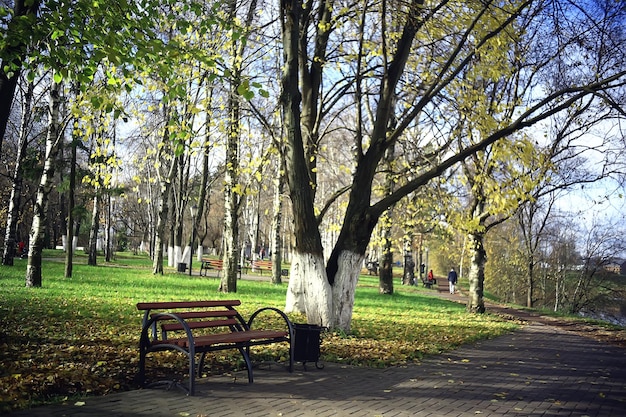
(193, 209)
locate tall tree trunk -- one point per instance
(14, 50)
(231, 196)
(557, 290)
(204, 178)
(385, 272)
(254, 209)
(69, 251)
(165, 182)
(309, 290)
(530, 285)
(37, 231)
(277, 256)
(385, 278)
(408, 272)
(163, 212)
(10, 239)
(478, 258)
(178, 208)
(228, 282)
(107, 231)
(92, 259)
(252, 215)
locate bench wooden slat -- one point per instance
(168, 305)
(223, 338)
(204, 314)
(171, 327)
(262, 265)
(217, 264)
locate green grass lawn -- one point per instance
(79, 336)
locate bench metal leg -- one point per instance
(141, 375)
(192, 372)
(292, 349)
(245, 352)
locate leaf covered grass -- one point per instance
(79, 336)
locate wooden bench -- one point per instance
(261, 265)
(216, 264)
(428, 283)
(199, 327)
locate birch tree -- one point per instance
(10, 240)
(165, 174)
(53, 139)
(239, 88)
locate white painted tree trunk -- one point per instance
(170, 256)
(309, 291)
(199, 253)
(178, 255)
(344, 289)
(186, 256)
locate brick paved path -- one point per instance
(539, 370)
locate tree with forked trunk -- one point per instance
(390, 80)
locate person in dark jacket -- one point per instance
(452, 279)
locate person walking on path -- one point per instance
(452, 279)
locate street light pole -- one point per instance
(193, 209)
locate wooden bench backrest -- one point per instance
(214, 263)
(171, 305)
(197, 314)
(204, 320)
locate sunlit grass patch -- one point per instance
(79, 336)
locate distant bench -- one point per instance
(215, 264)
(428, 283)
(193, 327)
(261, 265)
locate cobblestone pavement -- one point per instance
(538, 370)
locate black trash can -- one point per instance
(182, 267)
(308, 338)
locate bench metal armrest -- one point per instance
(150, 325)
(279, 312)
(290, 327)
